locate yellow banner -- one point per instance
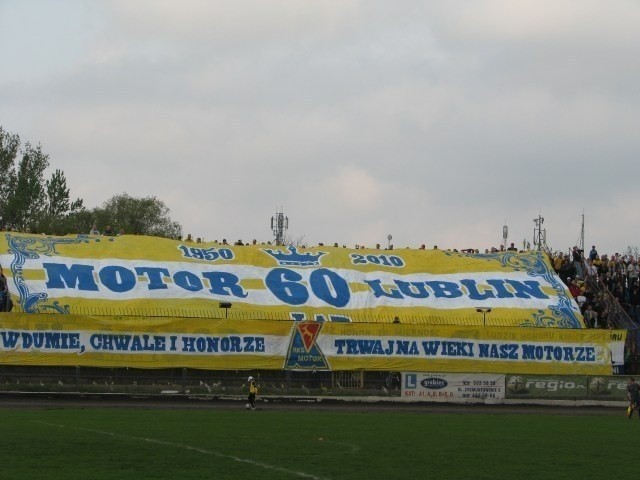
(226, 344)
(127, 275)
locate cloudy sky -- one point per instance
(436, 122)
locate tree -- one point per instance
(137, 216)
(28, 199)
(55, 217)
(27, 202)
(632, 252)
(9, 146)
(57, 195)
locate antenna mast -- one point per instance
(279, 224)
(505, 234)
(539, 233)
(582, 234)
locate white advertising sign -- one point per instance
(454, 387)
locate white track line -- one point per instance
(255, 463)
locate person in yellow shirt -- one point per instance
(253, 391)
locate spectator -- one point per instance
(108, 232)
(94, 230)
(574, 289)
(566, 271)
(557, 262)
(634, 302)
(189, 238)
(576, 256)
(632, 271)
(121, 232)
(591, 270)
(4, 292)
(590, 317)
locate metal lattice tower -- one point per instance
(279, 225)
(539, 234)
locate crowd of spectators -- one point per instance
(600, 283)
(107, 232)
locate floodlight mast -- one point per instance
(279, 224)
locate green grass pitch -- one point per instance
(121, 444)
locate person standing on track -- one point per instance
(633, 393)
(253, 391)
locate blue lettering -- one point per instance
(155, 276)
(76, 276)
(212, 344)
(379, 291)
(445, 289)
(509, 350)
(136, 344)
(531, 352)
(284, 284)
(402, 347)
(352, 347)
(10, 339)
(366, 347)
(248, 344)
(330, 287)
(413, 289)
(117, 279)
(500, 289)
(474, 293)
(187, 280)
(431, 347)
(224, 283)
(568, 354)
(188, 344)
(527, 289)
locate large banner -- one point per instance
(159, 342)
(97, 275)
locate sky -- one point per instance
(434, 122)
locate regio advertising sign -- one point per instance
(569, 387)
(453, 387)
